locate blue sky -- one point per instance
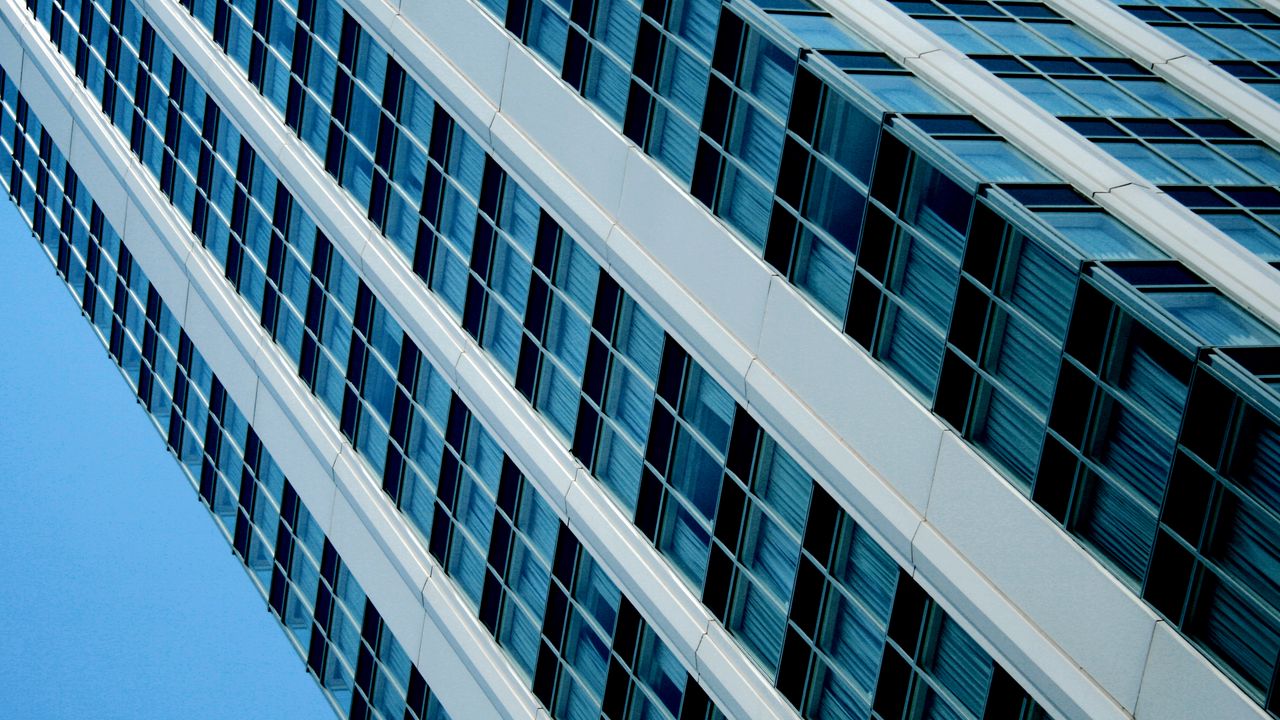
(118, 598)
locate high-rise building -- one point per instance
(687, 358)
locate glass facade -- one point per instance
(560, 630)
(957, 261)
(1130, 400)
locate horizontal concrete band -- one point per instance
(1045, 637)
(460, 662)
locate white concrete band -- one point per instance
(1047, 635)
(460, 662)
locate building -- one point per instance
(678, 358)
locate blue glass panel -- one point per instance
(1215, 318)
(1047, 95)
(961, 666)
(1120, 528)
(1145, 162)
(821, 32)
(1258, 238)
(695, 21)
(904, 93)
(759, 623)
(1259, 159)
(1105, 99)
(1099, 235)
(685, 542)
(1206, 165)
(1012, 434)
(1238, 631)
(998, 161)
(1166, 99)
(825, 271)
(1043, 288)
(548, 31)
(1014, 37)
(964, 38)
(914, 349)
(1075, 41)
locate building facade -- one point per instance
(696, 359)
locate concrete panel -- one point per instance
(467, 103)
(1181, 684)
(648, 581)
(525, 436)
(1009, 635)
(671, 304)
(1121, 29)
(553, 189)
(454, 674)
(1231, 268)
(206, 310)
(1220, 90)
(407, 299)
(866, 496)
(897, 34)
(398, 601)
(44, 101)
(404, 551)
(473, 42)
(156, 256)
(694, 248)
(891, 431)
(591, 151)
(86, 148)
(10, 52)
(309, 469)
(345, 223)
(738, 690)
(1043, 571)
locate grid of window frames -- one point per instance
(442, 469)
(568, 294)
(1005, 692)
(998, 379)
(1241, 204)
(1238, 36)
(1213, 567)
(1125, 109)
(1009, 348)
(1162, 453)
(362, 669)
